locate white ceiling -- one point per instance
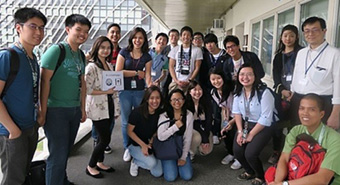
(198, 14)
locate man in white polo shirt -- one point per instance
(317, 70)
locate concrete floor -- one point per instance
(208, 170)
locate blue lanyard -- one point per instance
(307, 69)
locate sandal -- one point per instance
(257, 181)
(245, 176)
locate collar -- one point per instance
(316, 133)
(319, 48)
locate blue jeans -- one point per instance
(171, 170)
(128, 100)
(146, 162)
(94, 133)
(61, 128)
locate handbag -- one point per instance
(36, 173)
(169, 149)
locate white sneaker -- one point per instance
(126, 156)
(227, 159)
(216, 141)
(133, 169)
(236, 165)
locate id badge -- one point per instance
(303, 81)
(153, 73)
(133, 84)
(289, 78)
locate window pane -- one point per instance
(313, 8)
(284, 18)
(267, 44)
(255, 44)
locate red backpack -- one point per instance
(305, 159)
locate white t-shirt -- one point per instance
(184, 68)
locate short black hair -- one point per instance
(24, 14)
(112, 25)
(199, 33)
(231, 38)
(72, 19)
(187, 28)
(173, 30)
(312, 20)
(317, 98)
(210, 37)
(162, 35)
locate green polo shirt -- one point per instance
(331, 142)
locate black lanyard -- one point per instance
(247, 110)
(307, 68)
(212, 58)
(34, 69)
(181, 57)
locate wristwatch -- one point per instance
(136, 73)
(285, 183)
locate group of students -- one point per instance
(176, 82)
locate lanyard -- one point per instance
(78, 64)
(287, 61)
(181, 57)
(247, 110)
(34, 70)
(322, 133)
(213, 60)
(307, 69)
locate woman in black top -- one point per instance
(141, 128)
(200, 106)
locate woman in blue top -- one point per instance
(253, 109)
(135, 62)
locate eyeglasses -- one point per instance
(231, 46)
(34, 27)
(177, 100)
(312, 31)
(198, 38)
(246, 74)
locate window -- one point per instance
(317, 8)
(284, 18)
(255, 44)
(337, 41)
(267, 44)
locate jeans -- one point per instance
(103, 129)
(128, 99)
(147, 162)
(16, 156)
(171, 170)
(61, 128)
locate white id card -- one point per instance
(289, 78)
(153, 73)
(303, 81)
(133, 84)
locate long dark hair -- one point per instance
(95, 48)
(202, 102)
(227, 87)
(145, 46)
(170, 110)
(281, 46)
(145, 105)
(256, 85)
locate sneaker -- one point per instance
(274, 158)
(227, 159)
(126, 156)
(133, 169)
(108, 149)
(216, 141)
(236, 165)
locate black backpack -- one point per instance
(277, 101)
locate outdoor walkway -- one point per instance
(208, 170)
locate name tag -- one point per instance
(133, 84)
(289, 78)
(153, 73)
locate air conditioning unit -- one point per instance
(218, 24)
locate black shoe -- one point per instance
(109, 170)
(97, 176)
(70, 183)
(245, 176)
(108, 150)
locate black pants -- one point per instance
(295, 103)
(104, 137)
(229, 140)
(216, 127)
(248, 154)
(277, 137)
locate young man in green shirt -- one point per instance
(311, 111)
(63, 97)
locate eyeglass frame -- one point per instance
(33, 26)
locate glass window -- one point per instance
(284, 18)
(267, 44)
(255, 43)
(317, 8)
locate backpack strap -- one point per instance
(14, 69)
(60, 58)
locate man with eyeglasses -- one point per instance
(317, 70)
(19, 102)
(232, 46)
(198, 39)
